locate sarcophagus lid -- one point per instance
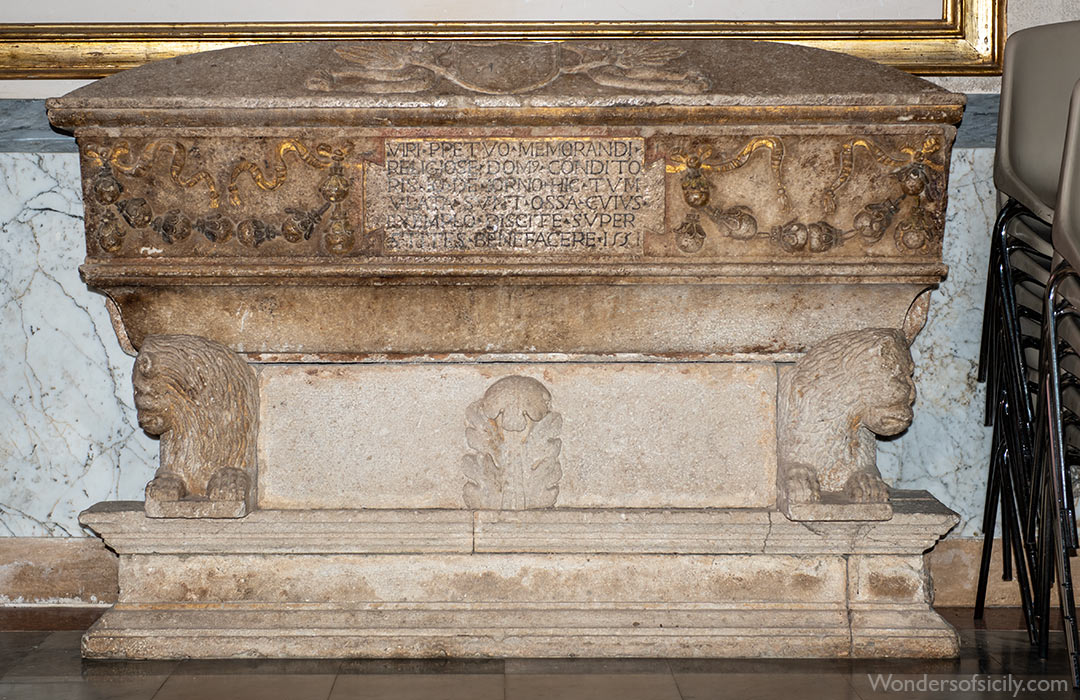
(342, 199)
(396, 83)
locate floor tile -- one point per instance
(421, 666)
(99, 670)
(419, 687)
(116, 689)
(624, 686)
(767, 666)
(14, 646)
(65, 640)
(970, 661)
(53, 659)
(246, 686)
(21, 642)
(265, 667)
(572, 666)
(763, 686)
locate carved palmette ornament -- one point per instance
(514, 436)
(203, 400)
(830, 404)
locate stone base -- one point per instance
(196, 508)
(835, 507)
(554, 582)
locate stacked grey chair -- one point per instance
(1024, 360)
(1058, 412)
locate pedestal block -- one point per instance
(561, 582)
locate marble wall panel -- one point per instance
(946, 448)
(68, 436)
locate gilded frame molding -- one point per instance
(967, 40)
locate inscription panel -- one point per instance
(549, 196)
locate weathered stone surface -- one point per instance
(757, 312)
(75, 571)
(731, 74)
(550, 281)
(917, 523)
(632, 435)
(203, 400)
(728, 592)
(829, 405)
(314, 531)
(498, 198)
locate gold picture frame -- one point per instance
(967, 40)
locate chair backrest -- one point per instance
(1041, 66)
(1066, 233)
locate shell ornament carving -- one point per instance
(514, 437)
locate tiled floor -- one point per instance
(45, 665)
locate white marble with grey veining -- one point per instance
(68, 436)
(946, 448)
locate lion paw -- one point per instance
(166, 487)
(228, 484)
(866, 488)
(801, 485)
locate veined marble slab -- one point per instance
(69, 437)
(946, 448)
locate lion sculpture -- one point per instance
(203, 400)
(831, 403)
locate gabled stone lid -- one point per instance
(384, 83)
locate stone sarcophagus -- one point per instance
(517, 349)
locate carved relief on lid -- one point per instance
(502, 68)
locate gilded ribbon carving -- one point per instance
(119, 159)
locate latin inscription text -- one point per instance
(543, 195)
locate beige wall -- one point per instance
(463, 10)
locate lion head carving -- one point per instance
(202, 399)
(831, 403)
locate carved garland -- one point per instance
(918, 172)
(174, 225)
